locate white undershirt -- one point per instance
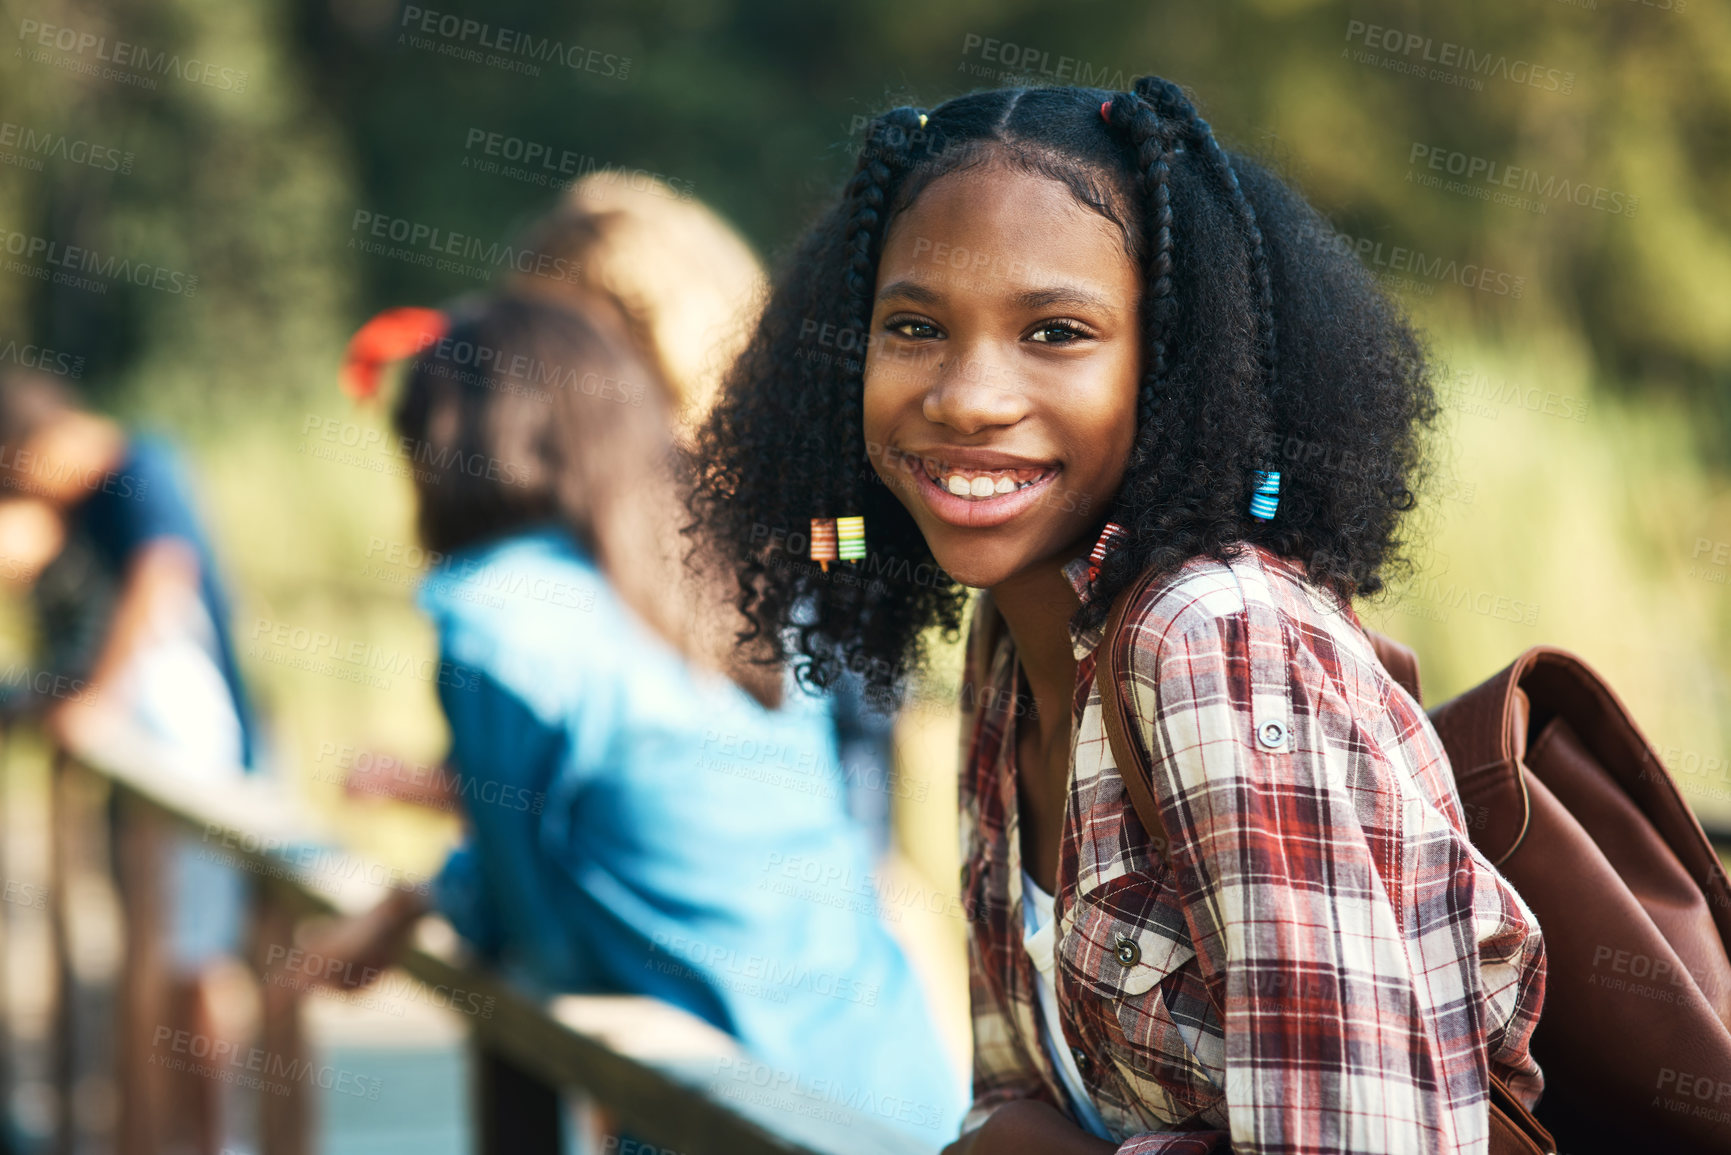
(172, 686)
(1039, 939)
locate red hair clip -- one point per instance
(1106, 111)
(390, 336)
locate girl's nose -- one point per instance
(971, 391)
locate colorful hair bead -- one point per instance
(823, 549)
(1110, 536)
(850, 531)
(1266, 496)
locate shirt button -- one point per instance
(1083, 1062)
(1128, 953)
(1271, 734)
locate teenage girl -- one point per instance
(689, 288)
(1078, 312)
(672, 280)
(635, 823)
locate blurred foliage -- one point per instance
(350, 112)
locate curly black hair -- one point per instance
(1266, 346)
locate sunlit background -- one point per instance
(1546, 185)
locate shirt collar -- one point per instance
(1082, 642)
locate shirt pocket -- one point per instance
(1136, 999)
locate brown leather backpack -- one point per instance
(1567, 798)
(1563, 794)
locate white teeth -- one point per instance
(980, 485)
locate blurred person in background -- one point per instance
(132, 638)
(669, 277)
(658, 821)
(689, 289)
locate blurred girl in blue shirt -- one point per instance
(655, 828)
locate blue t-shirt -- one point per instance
(636, 827)
(145, 499)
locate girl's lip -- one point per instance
(977, 513)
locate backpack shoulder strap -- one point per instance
(1400, 662)
(1484, 733)
(1109, 679)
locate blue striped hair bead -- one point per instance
(1266, 496)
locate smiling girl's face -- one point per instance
(1003, 368)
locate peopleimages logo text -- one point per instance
(511, 42)
(78, 259)
(1415, 47)
(1490, 172)
(34, 145)
(425, 243)
(123, 54)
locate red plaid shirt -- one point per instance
(1322, 962)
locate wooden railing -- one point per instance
(654, 1072)
(658, 1074)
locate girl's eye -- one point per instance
(913, 329)
(1057, 333)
